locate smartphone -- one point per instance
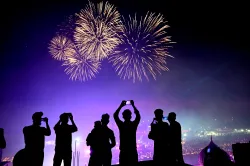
(43, 119)
(128, 102)
(165, 119)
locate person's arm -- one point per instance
(47, 131)
(2, 140)
(116, 114)
(25, 135)
(74, 127)
(57, 125)
(88, 140)
(180, 134)
(137, 113)
(112, 139)
(151, 134)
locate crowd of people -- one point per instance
(166, 137)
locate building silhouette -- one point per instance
(212, 155)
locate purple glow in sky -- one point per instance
(208, 78)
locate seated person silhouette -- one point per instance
(2, 144)
(34, 137)
(63, 149)
(127, 129)
(108, 141)
(175, 138)
(160, 134)
(93, 140)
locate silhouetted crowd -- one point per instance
(166, 137)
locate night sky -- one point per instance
(208, 78)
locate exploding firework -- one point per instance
(143, 49)
(61, 47)
(97, 28)
(81, 67)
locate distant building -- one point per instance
(212, 155)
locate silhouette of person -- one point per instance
(63, 149)
(93, 140)
(128, 149)
(2, 142)
(175, 139)
(160, 134)
(108, 141)
(34, 137)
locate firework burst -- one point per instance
(61, 47)
(143, 49)
(81, 67)
(96, 31)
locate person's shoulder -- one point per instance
(177, 123)
(27, 127)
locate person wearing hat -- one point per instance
(34, 137)
(128, 149)
(160, 135)
(63, 149)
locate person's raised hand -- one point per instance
(70, 116)
(123, 103)
(46, 119)
(132, 102)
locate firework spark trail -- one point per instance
(143, 49)
(96, 31)
(67, 28)
(81, 67)
(61, 47)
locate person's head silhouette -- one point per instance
(171, 117)
(98, 124)
(105, 119)
(37, 118)
(64, 118)
(158, 115)
(127, 115)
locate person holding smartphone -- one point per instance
(127, 128)
(63, 149)
(160, 135)
(34, 137)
